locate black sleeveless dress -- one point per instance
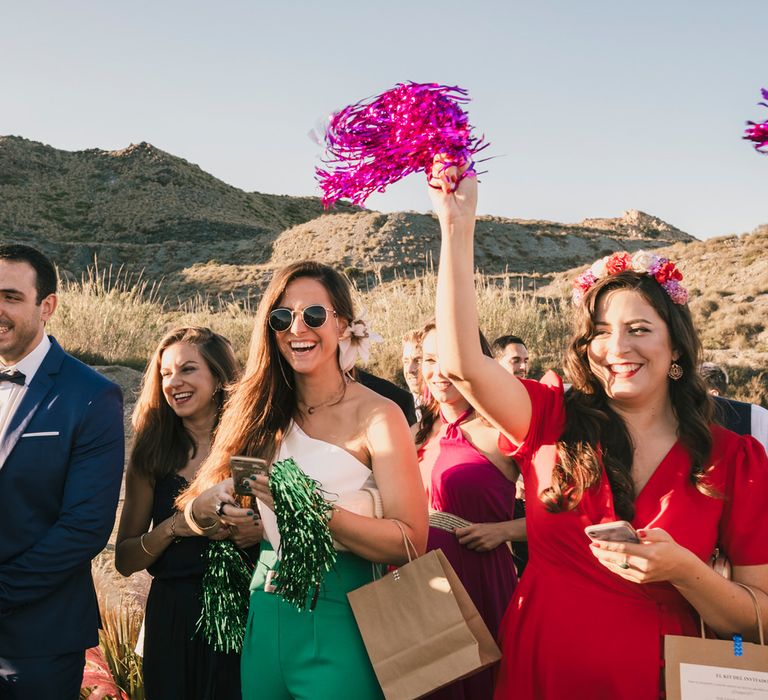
(178, 663)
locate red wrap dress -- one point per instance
(574, 629)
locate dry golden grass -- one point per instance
(109, 318)
(121, 618)
(397, 307)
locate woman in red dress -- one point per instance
(632, 440)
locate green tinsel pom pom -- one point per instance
(225, 596)
(306, 545)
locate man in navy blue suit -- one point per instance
(61, 463)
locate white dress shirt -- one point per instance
(11, 394)
(759, 424)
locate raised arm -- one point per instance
(496, 394)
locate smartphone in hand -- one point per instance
(243, 468)
(618, 531)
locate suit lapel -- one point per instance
(36, 391)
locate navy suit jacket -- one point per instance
(734, 415)
(61, 465)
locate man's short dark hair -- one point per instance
(715, 377)
(45, 273)
(503, 340)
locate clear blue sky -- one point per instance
(593, 107)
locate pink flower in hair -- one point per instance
(618, 262)
(642, 262)
(677, 293)
(666, 271)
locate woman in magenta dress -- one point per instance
(467, 476)
(634, 440)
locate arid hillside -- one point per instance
(727, 278)
(147, 210)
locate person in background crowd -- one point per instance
(412, 368)
(511, 354)
(388, 390)
(715, 377)
(633, 439)
(471, 489)
(743, 418)
(296, 400)
(182, 396)
(61, 464)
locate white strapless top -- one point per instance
(341, 475)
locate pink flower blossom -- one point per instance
(618, 262)
(642, 262)
(667, 271)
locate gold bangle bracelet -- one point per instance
(144, 547)
(194, 525)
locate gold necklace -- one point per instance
(331, 402)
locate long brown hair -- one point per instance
(264, 402)
(593, 429)
(162, 446)
(431, 408)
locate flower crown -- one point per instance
(661, 269)
(356, 342)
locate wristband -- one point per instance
(194, 525)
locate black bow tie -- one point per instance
(14, 376)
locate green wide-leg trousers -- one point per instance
(307, 655)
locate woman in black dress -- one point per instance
(182, 396)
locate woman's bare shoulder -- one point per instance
(369, 402)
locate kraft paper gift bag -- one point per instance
(716, 669)
(421, 629)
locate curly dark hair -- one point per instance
(594, 428)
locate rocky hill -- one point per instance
(145, 209)
(727, 278)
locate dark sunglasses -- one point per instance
(281, 319)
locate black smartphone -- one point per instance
(618, 531)
(243, 468)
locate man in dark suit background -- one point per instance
(61, 463)
(742, 418)
(390, 391)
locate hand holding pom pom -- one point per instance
(453, 192)
(446, 174)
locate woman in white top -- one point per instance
(296, 400)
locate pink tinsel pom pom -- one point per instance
(758, 132)
(378, 141)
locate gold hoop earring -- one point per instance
(675, 371)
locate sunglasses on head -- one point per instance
(314, 316)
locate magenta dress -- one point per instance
(466, 483)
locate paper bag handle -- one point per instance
(406, 542)
(758, 613)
